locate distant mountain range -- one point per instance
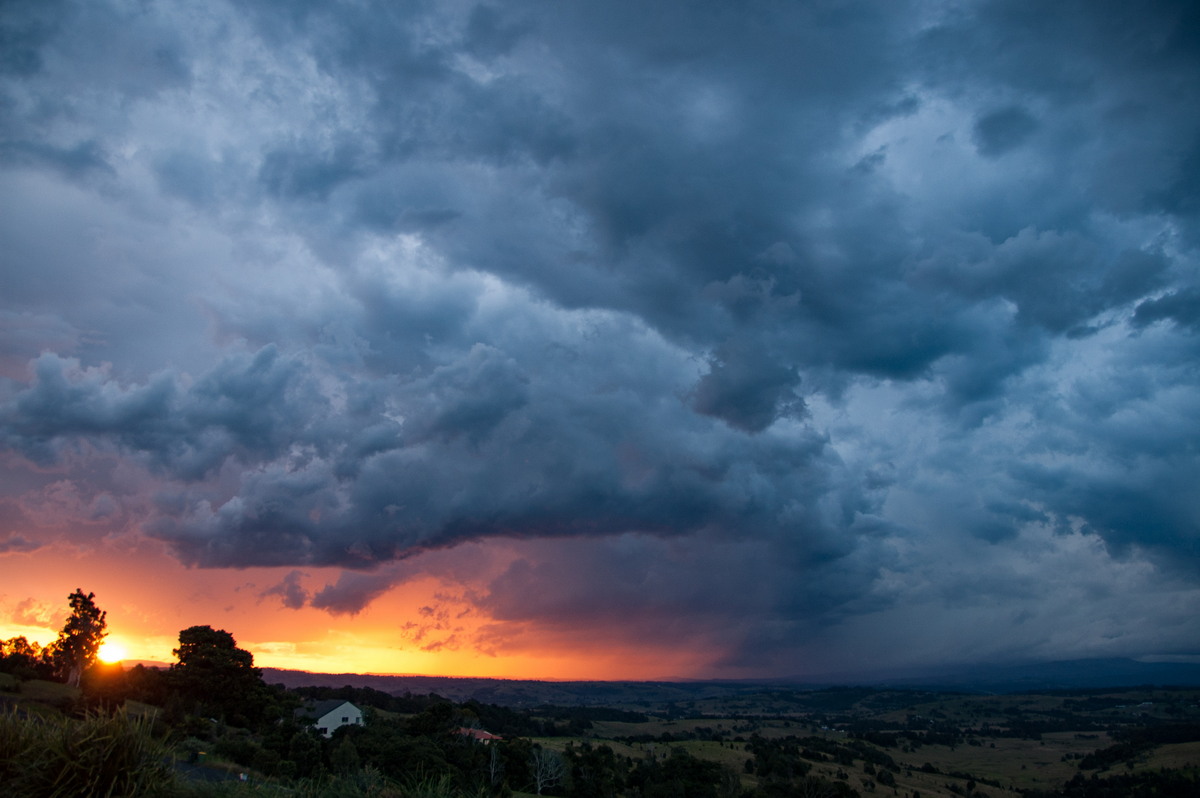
(987, 678)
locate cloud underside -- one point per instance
(731, 323)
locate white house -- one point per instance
(331, 714)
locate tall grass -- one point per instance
(103, 755)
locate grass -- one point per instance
(40, 698)
(48, 692)
(101, 755)
(1043, 764)
(1025, 764)
(1019, 763)
(721, 753)
(1172, 756)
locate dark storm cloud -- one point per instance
(1181, 307)
(1002, 130)
(250, 406)
(354, 591)
(838, 293)
(485, 445)
(746, 389)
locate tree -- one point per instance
(218, 677)
(344, 757)
(80, 638)
(305, 750)
(495, 767)
(25, 659)
(548, 768)
(595, 772)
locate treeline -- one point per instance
(596, 772)
(27, 659)
(544, 721)
(1142, 784)
(1132, 742)
(370, 697)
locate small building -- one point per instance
(331, 714)
(479, 735)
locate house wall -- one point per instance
(345, 715)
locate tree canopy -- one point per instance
(216, 676)
(81, 636)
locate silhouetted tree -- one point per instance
(80, 637)
(25, 659)
(218, 677)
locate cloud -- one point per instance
(31, 612)
(729, 323)
(745, 390)
(352, 592)
(1182, 307)
(16, 544)
(290, 591)
(1002, 130)
(245, 404)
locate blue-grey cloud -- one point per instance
(837, 295)
(999, 131)
(1181, 307)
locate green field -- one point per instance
(991, 754)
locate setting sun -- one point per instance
(111, 651)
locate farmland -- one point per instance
(671, 740)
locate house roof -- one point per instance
(319, 709)
(478, 734)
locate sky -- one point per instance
(604, 340)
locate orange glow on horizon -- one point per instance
(422, 625)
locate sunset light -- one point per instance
(111, 651)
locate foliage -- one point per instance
(1145, 784)
(214, 677)
(80, 638)
(24, 659)
(110, 686)
(101, 755)
(682, 775)
(370, 697)
(1133, 742)
(595, 772)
